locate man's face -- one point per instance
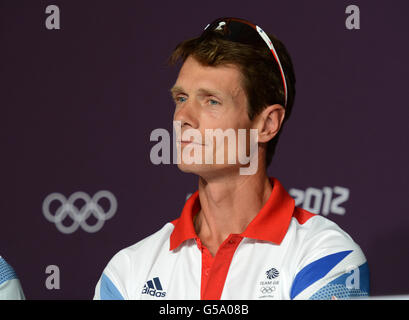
(209, 98)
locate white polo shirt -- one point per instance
(284, 253)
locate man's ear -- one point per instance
(269, 122)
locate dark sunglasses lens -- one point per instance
(235, 31)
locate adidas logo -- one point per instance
(154, 288)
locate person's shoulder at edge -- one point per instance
(330, 264)
(112, 284)
(10, 287)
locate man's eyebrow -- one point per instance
(175, 90)
(210, 92)
(202, 91)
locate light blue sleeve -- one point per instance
(10, 287)
(106, 290)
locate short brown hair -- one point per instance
(262, 79)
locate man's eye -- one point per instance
(213, 102)
(180, 99)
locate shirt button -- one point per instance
(231, 241)
(207, 272)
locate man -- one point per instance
(239, 236)
(10, 287)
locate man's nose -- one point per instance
(187, 114)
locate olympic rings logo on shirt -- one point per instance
(267, 290)
(79, 216)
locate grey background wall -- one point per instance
(78, 106)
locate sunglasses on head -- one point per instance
(243, 31)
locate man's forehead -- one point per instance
(216, 80)
(192, 63)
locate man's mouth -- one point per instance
(186, 142)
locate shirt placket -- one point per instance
(215, 269)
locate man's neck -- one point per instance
(228, 205)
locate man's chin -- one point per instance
(192, 168)
(207, 169)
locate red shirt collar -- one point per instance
(270, 224)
